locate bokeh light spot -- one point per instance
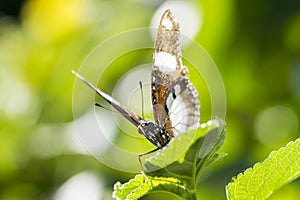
(276, 125)
(48, 20)
(96, 141)
(80, 187)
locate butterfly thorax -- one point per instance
(156, 134)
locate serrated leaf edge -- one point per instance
(259, 164)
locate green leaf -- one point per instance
(141, 185)
(133, 189)
(191, 163)
(177, 168)
(261, 181)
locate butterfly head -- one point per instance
(154, 133)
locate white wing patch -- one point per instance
(167, 23)
(184, 109)
(181, 117)
(165, 62)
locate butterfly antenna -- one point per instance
(142, 92)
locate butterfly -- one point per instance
(175, 100)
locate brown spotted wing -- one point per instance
(175, 99)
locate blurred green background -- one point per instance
(255, 44)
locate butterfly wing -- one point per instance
(184, 104)
(175, 100)
(132, 117)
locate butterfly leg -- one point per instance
(99, 105)
(143, 154)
